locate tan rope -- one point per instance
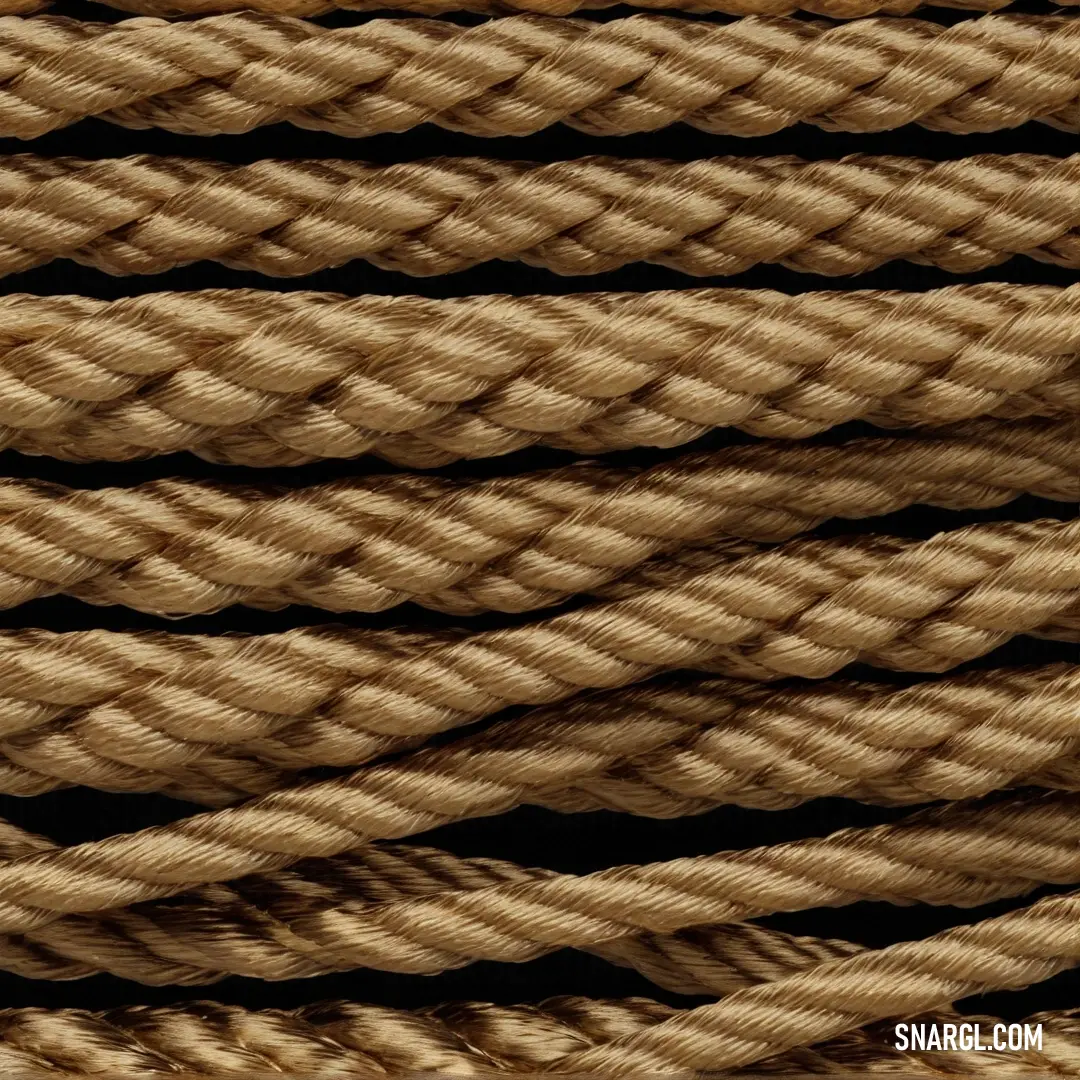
(143, 214)
(835, 9)
(314, 918)
(148, 944)
(994, 856)
(806, 608)
(661, 750)
(515, 76)
(1008, 952)
(345, 1041)
(510, 544)
(950, 739)
(263, 378)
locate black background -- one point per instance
(580, 843)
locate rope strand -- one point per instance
(313, 918)
(833, 9)
(346, 1041)
(807, 608)
(511, 544)
(516, 76)
(143, 214)
(1009, 952)
(146, 943)
(262, 378)
(660, 750)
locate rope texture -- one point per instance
(667, 749)
(289, 885)
(318, 917)
(807, 608)
(834, 9)
(149, 945)
(346, 1041)
(142, 214)
(262, 378)
(516, 76)
(1009, 952)
(511, 544)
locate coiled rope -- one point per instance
(263, 378)
(510, 544)
(142, 214)
(515, 76)
(670, 564)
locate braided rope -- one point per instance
(1008, 952)
(346, 1041)
(806, 608)
(314, 918)
(661, 750)
(261, 378)
(142, 214)
(510, 544)
(515, 76)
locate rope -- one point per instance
(261, 378)
(834, 9)
(807, 608)
(1009, 952)
(661, 750)
(146, 945)
(220, 719)
(346, 1041)
(950, 739)
(516, 76)
(510, 544)
(143, 214)
(315, 919)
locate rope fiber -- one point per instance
(1008, 952)
(806, 608)
(658, 639)
(701, 960)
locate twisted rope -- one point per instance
(319, 916)
(516, 76)
(661, 750)
(142, 214)
(1009, 952)
(346, 1041)
(807, 608)
(146, 943)
(261, 378)
(509, 544)
(835, 9)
